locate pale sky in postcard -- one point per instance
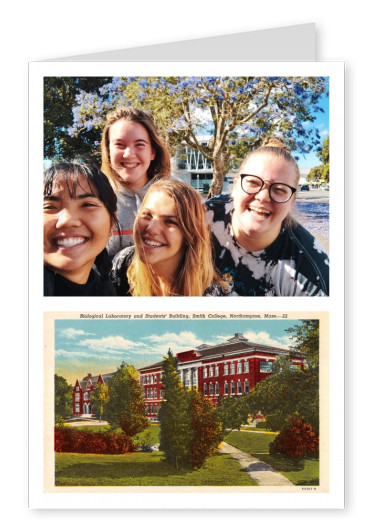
(99, 346)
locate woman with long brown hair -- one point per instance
(134, 156)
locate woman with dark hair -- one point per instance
(79, 214)
(133, 157)
(260, 249)
(172, 255)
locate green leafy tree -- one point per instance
(59, 97)
(206, 429)
(99, 398)
(63, 399)
(174, 415)
(233, 412)
(306, 337)
(290, 390)
(125, 407)
(321, 172)
(315, 174)
(236, 112)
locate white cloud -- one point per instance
(184, 338)
(112, 344)
(72, 333)
(76, 355)
(263, 338)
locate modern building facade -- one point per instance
(231, 368)
(189, 165)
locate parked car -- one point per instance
(304, 188)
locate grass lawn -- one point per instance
(299, 472)
(144, 469)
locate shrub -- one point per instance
(86, 442)
(298, 440)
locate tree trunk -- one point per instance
(220, 167)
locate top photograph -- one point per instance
(186, 186)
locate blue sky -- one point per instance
(309, 160)
(100, 345)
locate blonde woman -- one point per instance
(172, 255)
(134, 156)
(260, 250)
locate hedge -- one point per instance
(86, 442)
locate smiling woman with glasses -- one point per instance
(260, 249)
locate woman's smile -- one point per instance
(76, 230)
(131, 152)
(159, 239)
(257, 219)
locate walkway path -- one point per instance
(257, 470)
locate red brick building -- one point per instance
(230, 368)
(82, 390)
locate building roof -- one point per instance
(239, 343)
(236, 344)
(156, 365)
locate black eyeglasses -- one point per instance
(278, 192)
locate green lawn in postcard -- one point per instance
(299, 472)
(145, 469)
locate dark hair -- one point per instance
(69, 172)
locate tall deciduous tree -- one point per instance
(190, 426)
(233, 412)
(306, 337)
(321, 172)
(99, 398)
(290, 389)
(175, 431)
(125, 408)
(281, 395)
(63, 399)
(59, 97)
(206, 429)
(236, 112)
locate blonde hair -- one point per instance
(159, 168)
(275, 147)
(196, 272)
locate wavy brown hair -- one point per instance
(196, 272)
(159, 168)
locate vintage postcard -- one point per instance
(256, 374)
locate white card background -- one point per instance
(332, 304)
(40, 30)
